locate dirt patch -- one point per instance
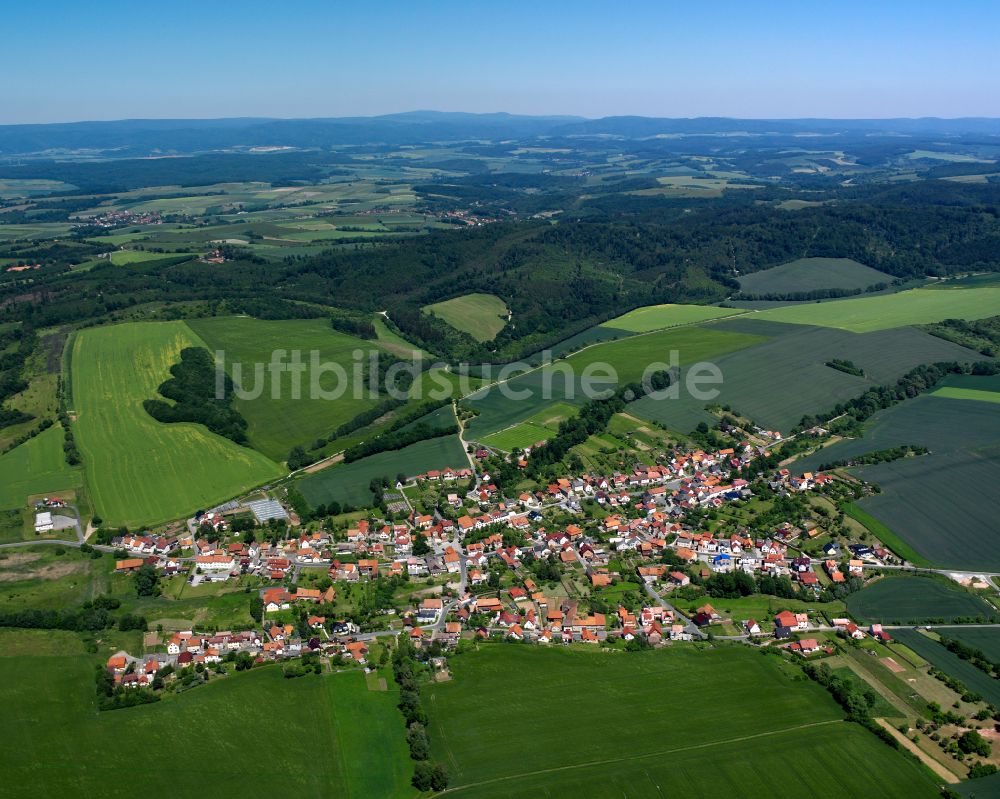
(324, 463)
(926, 759)
(892, 665)
(52, 571)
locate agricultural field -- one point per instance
(482, 316)
(982, 388)
(912, 307)
(278, 423)
(660, 747)
(986, 639)
(125, 257)
(656, 317)
(49, 702)
(38, 466)
(139, 471)
(975, 680)
(519, 436)
(777, 382)
(812, 274)
(915, 600)
(348, 483)
(527, 394)
(963, 437)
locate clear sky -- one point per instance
(65, 60)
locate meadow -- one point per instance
(50, 577)
(634, 727)
(37, 466)
(482, 316)
(963, 466)
(911, 307)
(139, 471)
(914, 600)
(254, 733)
(519, 436)
(778, 381)
(278, 423)
(656, 317)
(348, 483)
(812, 274)
(628, 357)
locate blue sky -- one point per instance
(73, 60)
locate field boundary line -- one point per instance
(611, 760)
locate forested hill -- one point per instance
(556, 278)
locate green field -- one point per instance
(595, 724)
(520, 436)
(122, 257)
(138, 470)
(914, 600)
(276, 424)
(912, 307)
(655, 317)
(37, 466)
(975, 680)
(777, 382)
(348, 483)
(530, 393)
(482, 316)
(318, 736)
(941, 503)
(954, 392)
(985, 639)
(812, 274)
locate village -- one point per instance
(632, 568)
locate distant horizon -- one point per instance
(540, 115)
(769, 60)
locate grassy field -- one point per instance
(655, 317)
(50, 577)
(913, 307)
(123, 257)
(276, 424)
(954, 392)
(603, 724)
(482, 316)
(531, 393)
(886, 535)
(941, 503)
(348, 483)
(975, 680)
(520, 436)
(319, 736)
(37, 466)
(138, 470)
(811, 274)
(914, 600)
(778, 381)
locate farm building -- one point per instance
(43, 522)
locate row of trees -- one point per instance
(427, 776)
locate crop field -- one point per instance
(975, 680)
(638, 730)
(482, 316)
(986, 639)
(123, 257)
(348, 483)
(276, 424)
(655, 317)
(914, 600)
(37, 466)
(628, 358)
(982, 388)
(913, 307)
(520, 436)
(940, 503)
(776, 382)
(138, 470)
(356, 746)
(811, 274)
